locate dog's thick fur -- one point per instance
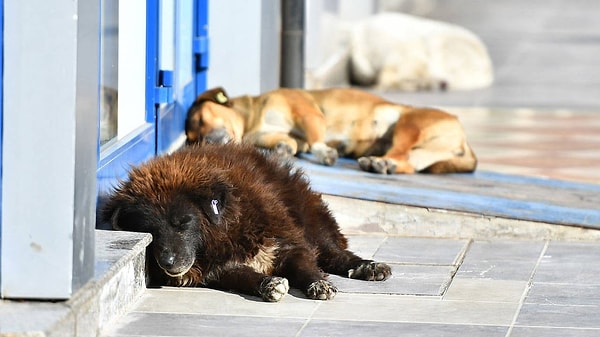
(385, 137)
(229, 217)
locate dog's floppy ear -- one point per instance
(119, 214)
(214, 200)
(216, 95)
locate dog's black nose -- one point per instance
(167, 261)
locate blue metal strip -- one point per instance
(163, 95)
(201, 45)
(551, 183)
(484, 193)
(151, 59)
(1, 110)
(478, 204)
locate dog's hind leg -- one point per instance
(299, 265)
(345, 263)
(395, 160)
(322, 231)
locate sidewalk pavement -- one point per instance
(456, 273)
(440, 287)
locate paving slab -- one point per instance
(519, 331)
(360, 328)
(383, 308)
(424, 251)
(162, 324)
(570, 263)
(407, 279)
(502, 260)
(563, 294)
(559, 316)
(200, 301)
(486, 290)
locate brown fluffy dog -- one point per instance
(228, 217)
(385, 137)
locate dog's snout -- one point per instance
(174, 262)
(167, 261)
(218, 136)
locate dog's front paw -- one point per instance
(325, 155)
(272, 288)
(321, 290)
(377, 165)
(284, 150)
(329, 157)
(371, 271)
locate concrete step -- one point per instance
(118, 282)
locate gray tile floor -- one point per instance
(440, 287)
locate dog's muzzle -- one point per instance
(218, 136)
(171, 266)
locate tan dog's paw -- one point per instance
(325, 154)
(377, 165)
(283, 150)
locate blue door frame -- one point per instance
(167, 96)
(201, 45)
(1, 102)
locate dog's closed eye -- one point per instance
(184, 221)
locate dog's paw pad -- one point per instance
(371, 271)
(272, 289)
(284, 150)
(325, 155)
(321, 290)
(330, 157)
(377, 165)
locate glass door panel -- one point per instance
(127, 121)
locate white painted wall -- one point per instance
(244, 45)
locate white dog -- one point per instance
(398, 51)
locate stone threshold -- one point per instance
(119, 280)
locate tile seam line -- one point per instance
(218, 314)
(527, 289)
(557, 327)
(408, 321)
(456, 264)
(386, 238)
(308, 319)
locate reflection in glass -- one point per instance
(109, 70)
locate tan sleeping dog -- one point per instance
(385, 137)
(284, 120)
